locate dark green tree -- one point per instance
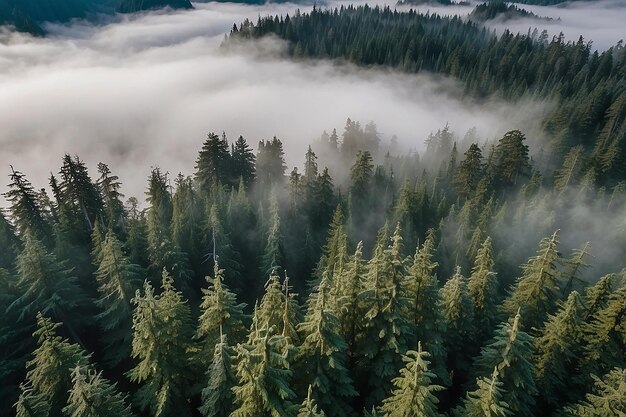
(217, 396)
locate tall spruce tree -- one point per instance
(94, 396)
(510, 352)
(220, 314)
(322, 355)
(486, 400)
(161, 344)
(217, 396)
(607, 399)
(48, 376)
(414, 391)
(536, 292)
(213, 165)
(482, 287)
(118, 280)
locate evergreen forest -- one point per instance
(478, 277)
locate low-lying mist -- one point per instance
(145, 91)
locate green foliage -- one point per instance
(92, 395)
(414, 392)
(482, 288)
(217, 396)
(323, 356)
(486, 400)
(31, 404)
(220, 314)
(264, 375)
(118, 280)
(607, 399)
(509, 352)
(161, 343)
(457, 312)
(535, 292)
(309, 407)
(213, 165)
(48, 376)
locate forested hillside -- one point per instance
(588, 85)
(244, 290)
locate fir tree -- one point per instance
(535, 292)
(243, 160)
(607, 399)
(109, 185)
(213, 165)
(220, 314)
(118, 280)
(469, 173)
(273, 258)
(309, 407)
(486, 400)
(48, 376)
(31, 403)
(414, 392)
(92, 395)
(323, 355)
(509, 352)
(217, 396)
(482, 288)
(557, 349)
(161, 344)
(46, 286)
(264, 375)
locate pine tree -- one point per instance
(49, 372)
(161, 344)
(557, 349)
(92, 395)
(217, 396)
(509, 352)
(186, 220)
(220, 314)
(264, 375)
(414, 392)
(571, 170)
(323, 355)
(607, 399)
(511, 155)
(270, 164)
(309, 407)
(535, 292)
(118, 280)
(218, 244)
(335, 252)
(279, 308)
(469, 173)
(9, 243)
(137, 242)
(486, 400)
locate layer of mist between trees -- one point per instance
(466, 207)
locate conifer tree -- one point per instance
(213, 165)
(217, 396)
(92, 395)
(422, 291)
(335, 252)
(482, 288)
(457, 311)
(387, 329)
(47, 287)
(137, 242)
(9, 242)
(218, 244)
(607, 399)
(486, 400)
(243, 160)
(25, 209)
(414, 392)
(31, 403)
(535, 292)
(162, 251)
(186, 220)
(161, 344)
(109, 185)
(469, 172)
(557, 349)
(510, 352)
(48, 375)
(118, 280)
(264, 375)
(309, 406)
(273, 257)
(220, 314)
(323, 355)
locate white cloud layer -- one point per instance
(145, 91)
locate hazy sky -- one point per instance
(146, 90)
